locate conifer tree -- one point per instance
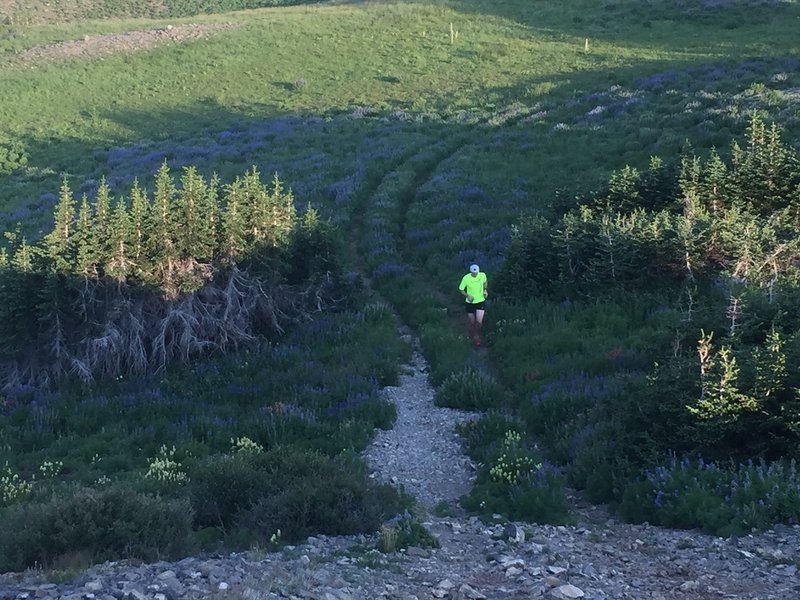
(139, 221)
(234, 225)
(189, 210)
(59, 243)
(23, 259)
(208, 237)
(86, 251)
(283, 213)
(658, 185)
(163, 235)
(120, 264)
(623, 190)
(258, 212)
(714, 184)
(102, 223)
(689, 182)
(766, 172)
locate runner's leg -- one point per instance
(471, 325)
(478, 325)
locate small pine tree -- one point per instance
(258, 208)
(24, 257)
(86, 251)
(120, 264)
(102, 223)
(689, 182)
(139, 221)
(209, 233)
(658, 185)
(284, 212)
(623, 190)
(714, 184)
(189, 204)
(164, 235)
(234, 225)
(59, 244)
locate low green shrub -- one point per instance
(12, 158)
(484, 437)
(402, 531)
(512, 479)
(313, 494)
(723, 500)
(469, 389)
(445, 349)
(103, 524)
(537, 496)
(223, 486)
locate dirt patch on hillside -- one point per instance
(93, 46)
(37, 12)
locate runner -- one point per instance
(474, 288)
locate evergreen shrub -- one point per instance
(313, 494)
(107, 523)
(469, 389)
(12, 158)
(445, 349)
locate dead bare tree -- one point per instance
(126, 330)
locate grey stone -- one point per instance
(514, 533)
(567, 592)
(467, 592)
(418, 552)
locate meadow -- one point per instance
(424, 132)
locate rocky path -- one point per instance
(599, 558)
(422, 451)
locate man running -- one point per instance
(474, 288)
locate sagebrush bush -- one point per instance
(469, 389)
(103, 524)
(223, 486)
(312, 494)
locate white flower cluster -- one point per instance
(12, 487)
(245, 444)
(164, 467)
